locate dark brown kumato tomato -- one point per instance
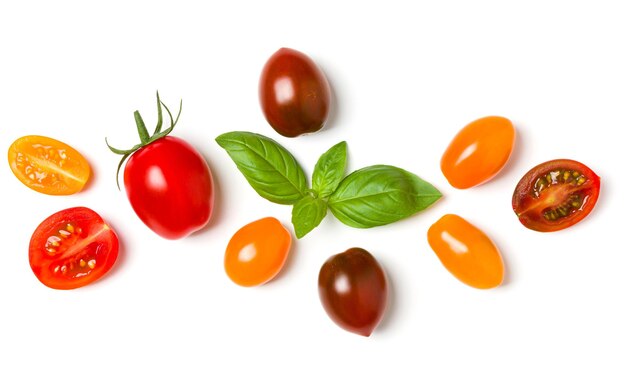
(294, 93)
(555, 195)
(353, 290)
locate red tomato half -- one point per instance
(294, 93)
(72, 248)
(170, 187)
(555, 195)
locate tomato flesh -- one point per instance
(466, 252)
(555, 195)
(170, 187)
(353, 290)
(48, 166)
(294, 93)
(478, 152)
(72, 248)
(257, 252)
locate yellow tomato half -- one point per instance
(48, 166)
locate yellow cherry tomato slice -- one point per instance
(466, 252)
(48, 166)
(257, 252)
(478, 152)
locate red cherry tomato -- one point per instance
(353, 290)
(72, 248)
(294, 93)
(478, 152)
(168, 183)
(170, 187)
(555, 195)
(466, 252)
(257, 252)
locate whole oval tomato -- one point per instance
(555, 195)
(353, 290)
(478, 152)
(48, 166)
(170, 187)
(294, 93)
(257, 252)
(466, 252)
(72, 248)
(168, 183)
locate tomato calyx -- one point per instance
(144, 136)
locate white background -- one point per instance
(406, 76)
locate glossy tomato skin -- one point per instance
(294, 93)
(466, 252)
(257, 252)
(555, 195)
(170, 187)
(48, 166)
(72, 248)
(353, 290)
(478, 152)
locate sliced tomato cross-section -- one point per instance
(555, 195)
(48, 166)
(72, 248)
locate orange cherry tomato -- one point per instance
(48, 166)
(257, 252)
(466, 252)
(478, 152)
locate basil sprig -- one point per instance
(370, 197)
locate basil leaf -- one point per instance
(269, 168)
(379, 195)
(329, 170)
(307, 214)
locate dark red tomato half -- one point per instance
(170, 187)
(294, 93)
(555, 195)
(72, 248)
